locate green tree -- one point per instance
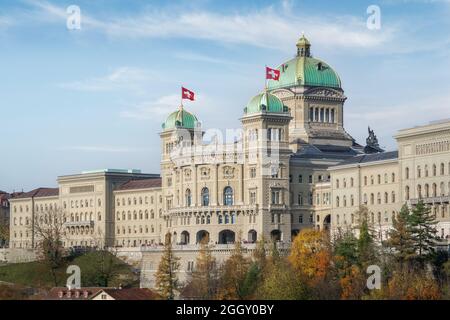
(166, 277)
(366, 244)
(423, 230)
(401, 237)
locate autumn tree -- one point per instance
(49, 231)
(310, 255)
(166, 275)
(233, 274)
(281, 282)
(204, 278)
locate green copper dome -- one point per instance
(305, 70)
(264, 102)
(180, 119)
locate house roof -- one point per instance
(63, 293)
(39, 192)
(129, 294)
(141, 184)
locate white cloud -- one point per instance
(269, 27)
(130, 78)
(157, 109)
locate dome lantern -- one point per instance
(303, 47)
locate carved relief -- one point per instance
(187, 174)
(228, 172)
(205, 173)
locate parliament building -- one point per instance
(292, 165)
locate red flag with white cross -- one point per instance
(272, 74)
(187, 94)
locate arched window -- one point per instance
(188, 198)
(365, 180)
(220, 219)
(393, 177)
(419, 191)
(205, 197)
(337, 202)
(407, 173)
(419, 172)
(227, 219)
(228, 196)
(372, 198)
(233, 218)
(393, 197)
(434, 187)
(442, 169)
(386, 199)
(337, 183)
(434, 170)
(344, 200)
(427, 190)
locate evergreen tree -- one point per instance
(366, 246)
(259, 254)
(166, 277)
(423, 230)
(401, 238)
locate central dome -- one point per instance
(305, 70)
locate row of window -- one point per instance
(426, 171)
(141, 215)
(135, 230)
(317, 114)
(372, 180)
(367, 200)
(228, 197)
(428, 192)
(136, 201)
(320, 178)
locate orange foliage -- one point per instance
(310, 256)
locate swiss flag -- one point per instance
(187, 94)
(272, 74)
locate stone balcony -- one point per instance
(212, 209)
(86, 223)
(431, 200)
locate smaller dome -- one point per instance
(180, 119)
(265, 102)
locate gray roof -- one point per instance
(390, 155)
(325, 152)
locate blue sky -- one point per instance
(73, 100)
